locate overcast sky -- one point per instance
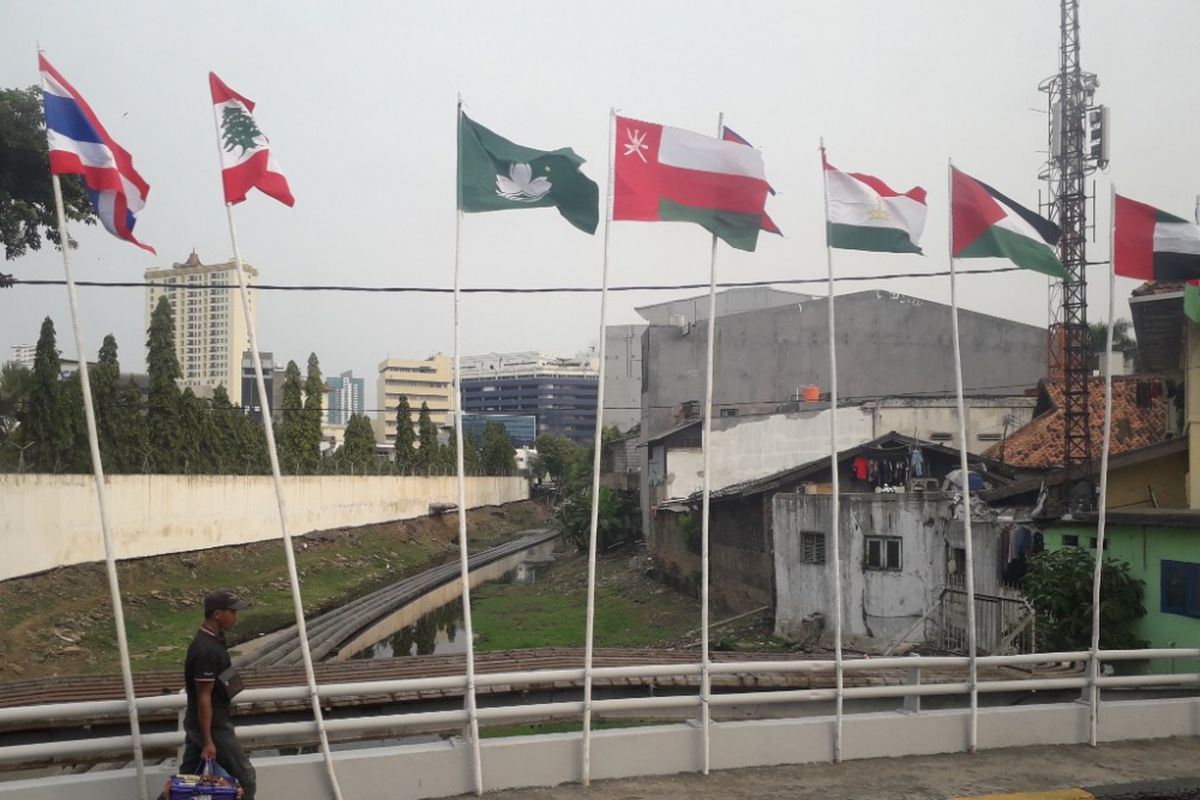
(358, 99)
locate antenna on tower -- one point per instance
(1079, 145)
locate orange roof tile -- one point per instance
(1039, 444)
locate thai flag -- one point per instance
(79, 145)
(730, 135)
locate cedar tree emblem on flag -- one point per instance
(246, 159)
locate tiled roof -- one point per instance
(1039, 444)
(1158, 287)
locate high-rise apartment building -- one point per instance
(23, 355)
(345, 398)
(210, 328)
(421, 381)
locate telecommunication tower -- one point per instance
(1078, 146)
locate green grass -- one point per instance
(552, 613)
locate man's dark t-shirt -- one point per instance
(207, 658)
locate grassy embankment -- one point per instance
(60, 622)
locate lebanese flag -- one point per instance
(668, 174)
(987, 224)
(1152, 245)
(246, 159)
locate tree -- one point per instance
(16, 383)
(497, 456)
(198, 436)
(618, 517)
(225, 442)
(357, 453)
(472, 464)
(1098, 340)
(162, 411)
(405, 454)
(27, 212)
(45, 426)
(314, 399)
(1059, 585)
(290, 429)
(559, 456)
(116, 420)
(427, 449)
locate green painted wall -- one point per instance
(1144, 547)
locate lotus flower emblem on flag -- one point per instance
(520, 185)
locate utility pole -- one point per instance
(1078, 146)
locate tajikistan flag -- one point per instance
(867, 214)
(986, 224)
(246, 159)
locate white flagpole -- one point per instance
(464, 565)
(968, 544)
(705, 441)
(272, 452)
(1097, 571)
(110, 562)
(591, 584)
(835, 498)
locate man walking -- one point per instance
(211, 683)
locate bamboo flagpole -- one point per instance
(110, 563)
(705, 662)
(589, 636)
(968, 549)
(463, 555)
(272, 452)
(835, 488)
(1098, 566)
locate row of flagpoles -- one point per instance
(655, 173)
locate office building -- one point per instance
(559, 392)
(421, 381)
(210, 328)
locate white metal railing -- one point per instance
(357, 726)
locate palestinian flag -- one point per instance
(1152, 245)
(246, 159)
(1191, 300)
(986, 224)
(672, 175)
(494, 174)
(867, 214)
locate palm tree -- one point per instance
(16, 382)
(1098, 339)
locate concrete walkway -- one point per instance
(1023, 769)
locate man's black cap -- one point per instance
(223, 598)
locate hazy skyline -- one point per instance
(359, 100)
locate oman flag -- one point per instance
(986, 224)
(669, 174)
(246, 160)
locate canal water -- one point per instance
(440, 632)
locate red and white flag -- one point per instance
(246, 159)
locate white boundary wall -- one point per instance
(443, 769)
(49, 521)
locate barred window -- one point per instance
(812, 547)
(882, 552)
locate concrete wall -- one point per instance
(443, 769)
(623, 375)
(48, 521)
(888, 344)
(881, 604)
(927, 418)
(1161, 483)
(744, 448)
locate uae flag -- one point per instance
(668, 174)
(867, 214)
(246, 160)
(1152, 245)
(986, 224)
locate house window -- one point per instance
(729, 412)
(882, 552)
(1092, 543)
(941, 436)
(1181, 588)
(812, 547)
(988, 437)
(1070, 540)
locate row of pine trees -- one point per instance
(167, 430)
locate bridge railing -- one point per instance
(365, 725)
